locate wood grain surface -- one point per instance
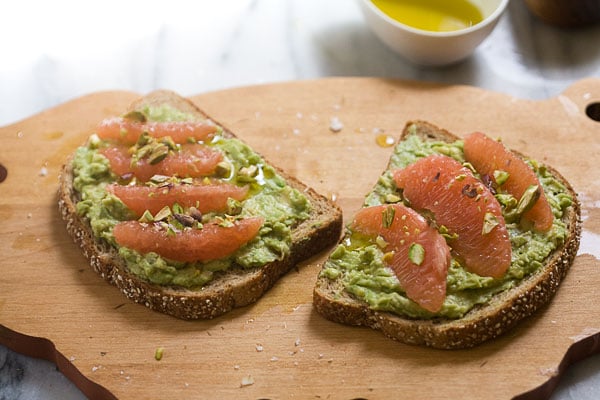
(280, 347)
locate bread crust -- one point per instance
(480, 324)
(233, 288)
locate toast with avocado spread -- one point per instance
(184, 217)
(458, 241)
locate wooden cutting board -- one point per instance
(280, 347)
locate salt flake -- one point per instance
(335, 125)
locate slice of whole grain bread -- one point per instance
(233, 288)
(483, 322)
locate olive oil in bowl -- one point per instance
(432, 15)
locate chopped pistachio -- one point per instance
(158, 154)
(445, 232)
(247, 174)
(143, 151)
(146, 217)
(94, 141)
(380, 241)
(144, 139)
(513, 209)
(177, 208)
(158, 354)
(234, 207)
(159, 178)
(489, 223)
(224, 222)
(416, 253)
(136, 116)
(164, 213)
(392, 198)
(501, 176)
(469, 166)
(172, 230)
(528, 199)
(388, 216)
(169, 142)
(223, 169)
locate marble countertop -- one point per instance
(56, 51)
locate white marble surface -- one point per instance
(51, 52)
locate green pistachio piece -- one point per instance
(177, 209)
(223, 169)
(136, 116)
(234, 207)
(158, 154)
(489, 223)
(416, 253)
(146, 217)
(169, 142)
(501, 176)
(380, 241)
(248, 174)
(392, 198)
(529, 198)
(388, 216)
(159, 178)
(144, 139)
(163, 214)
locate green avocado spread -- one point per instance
(361, 267)
(270, 197)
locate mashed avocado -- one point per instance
(281, 206)
(361, 267)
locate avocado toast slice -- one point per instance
(293, 221)
(358, 284)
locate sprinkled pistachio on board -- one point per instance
(158, 354)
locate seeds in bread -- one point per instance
(483, 322)
(234, 287)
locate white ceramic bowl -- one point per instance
(433, 48)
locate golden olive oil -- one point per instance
(432, 15)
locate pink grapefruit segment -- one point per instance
(488, 155)
(128, 131)
(424, 280)
(211, 242)
(465, 206)
(193, 160)
(205, 197)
